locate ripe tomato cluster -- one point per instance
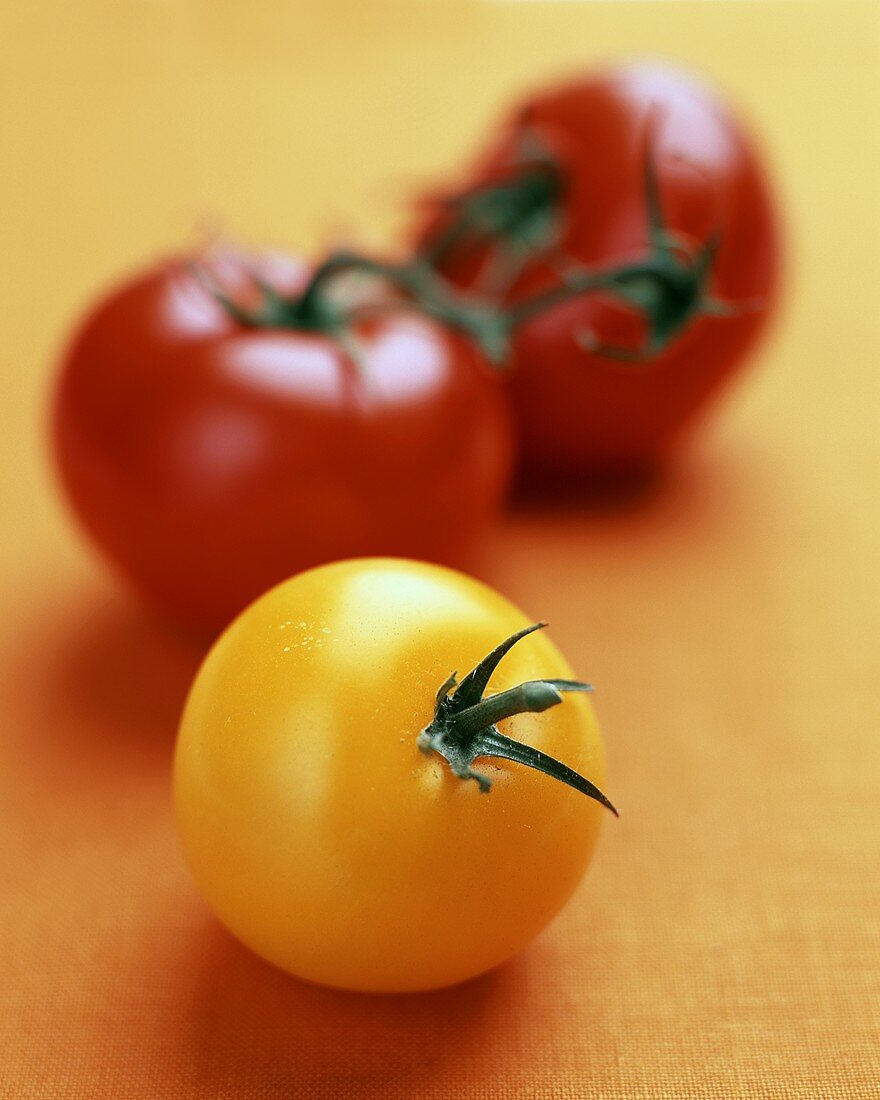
(224, 421)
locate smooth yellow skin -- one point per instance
(318, 832)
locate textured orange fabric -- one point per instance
(726, 942)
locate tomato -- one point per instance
(211, 457)
(327, 804)
(641, 177)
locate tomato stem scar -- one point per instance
(463, 727)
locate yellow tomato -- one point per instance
(330, 816)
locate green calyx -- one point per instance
(464, 724)
(669, 286)
(518, 213)
(522, 216)
(307, 312)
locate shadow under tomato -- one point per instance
(700, 489)
(103, 684)
(605, 491)
(261, 1032)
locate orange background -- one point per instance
(727, 940)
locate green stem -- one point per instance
(668, 285)
(518, 209)
(666, 290)
(310, 302)
(419, 282)
(528, 308)
(464, 724)
(621, 280)
(533, 697)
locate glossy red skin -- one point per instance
(211, 461)
(579, 412)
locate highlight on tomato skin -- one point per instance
(211, 452)
(641, 179)
(387, 777)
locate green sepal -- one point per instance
(464, 728)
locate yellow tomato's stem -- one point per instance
(463, 727)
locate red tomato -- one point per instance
(210, 459)
(640, 175)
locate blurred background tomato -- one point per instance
(160, 149)
(625, 219)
